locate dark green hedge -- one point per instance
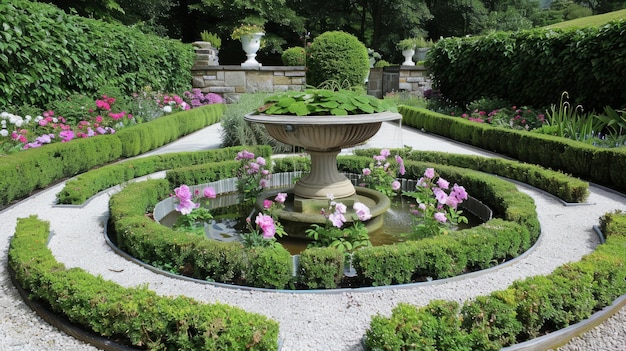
(136, 315)
(599, 165)
(440, 257)
(45, 54)
(528, 308)
(29, 170)
(534, 67)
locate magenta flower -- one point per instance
(209, 193)
(429, 173)
(266, 223)
(459, 192)
(183, 193)
(280, 198)
(440, 217)
(267, 204)
(362, 211)
(66, 135)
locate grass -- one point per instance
(590, 21)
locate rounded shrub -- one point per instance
(337, 56)
(294, 56)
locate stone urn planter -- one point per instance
(408, 57)
(323, 137)
(251, 43)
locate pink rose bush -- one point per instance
(252, 176)
(193, 208)
(381, 174)
(335, 234)
(267, 224)
(436, 204)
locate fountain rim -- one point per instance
(323, 120)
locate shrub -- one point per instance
(337, 56)
(295, 56)
(49, 54)
(381, 64)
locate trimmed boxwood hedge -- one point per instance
(136, 315)
(528, 308)
(600, 165)
(440, 257)
(33, 169)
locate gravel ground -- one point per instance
(308, 321)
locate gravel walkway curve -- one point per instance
(308, 321)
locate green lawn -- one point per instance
(591, 21)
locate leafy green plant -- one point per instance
(615, 120)
(212, 38)
(294, 56)
(573, 123)
(323, 102)
(381, 174)
(246, 29)
(407, 44)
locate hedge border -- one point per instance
(150, 242)
(207, 326)
(599, 165)
(30, 170)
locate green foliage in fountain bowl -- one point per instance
(324, 102)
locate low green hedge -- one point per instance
(600, 165)
(440, 257)
(33, 169)
(76, 191)
(527, 309)
(137, 315)
(563, 186)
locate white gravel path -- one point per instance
(308, 321)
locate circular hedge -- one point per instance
(337, 56)
(294, 56)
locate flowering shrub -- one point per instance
(436, 211)
(193, 209)
(197, 98)
(267, 222)
(246, 29)
(513, 117)
(252, 176)
(332, 234)
(381, 174)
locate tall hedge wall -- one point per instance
(534, 67)
(46, 54)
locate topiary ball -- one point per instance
(294, 56)
(337, 56)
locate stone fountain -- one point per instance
(323, 138)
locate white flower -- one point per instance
(4, 114)
(28, 117)
(167, 109)
(55, 120)
(4, 132)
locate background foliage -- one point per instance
(535, 66)
(46, 54)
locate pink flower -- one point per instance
(266, 223)
(442, 183)
(337, 219)
(183, 193)
(267, 204)
(401, 164)
(66, 135)
(362, 211)
(429, 173)
(440, 195)
(459, 192)
(340, 208)
(280, 198)
(209, 193)
(244, 155)
(260, 160)
(395, 185)
(440, 217)
(367, 171)
(254, 168)
(385, 153)
(185, 207)
(263, 183)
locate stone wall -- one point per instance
(413, 79)
(232, 81)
